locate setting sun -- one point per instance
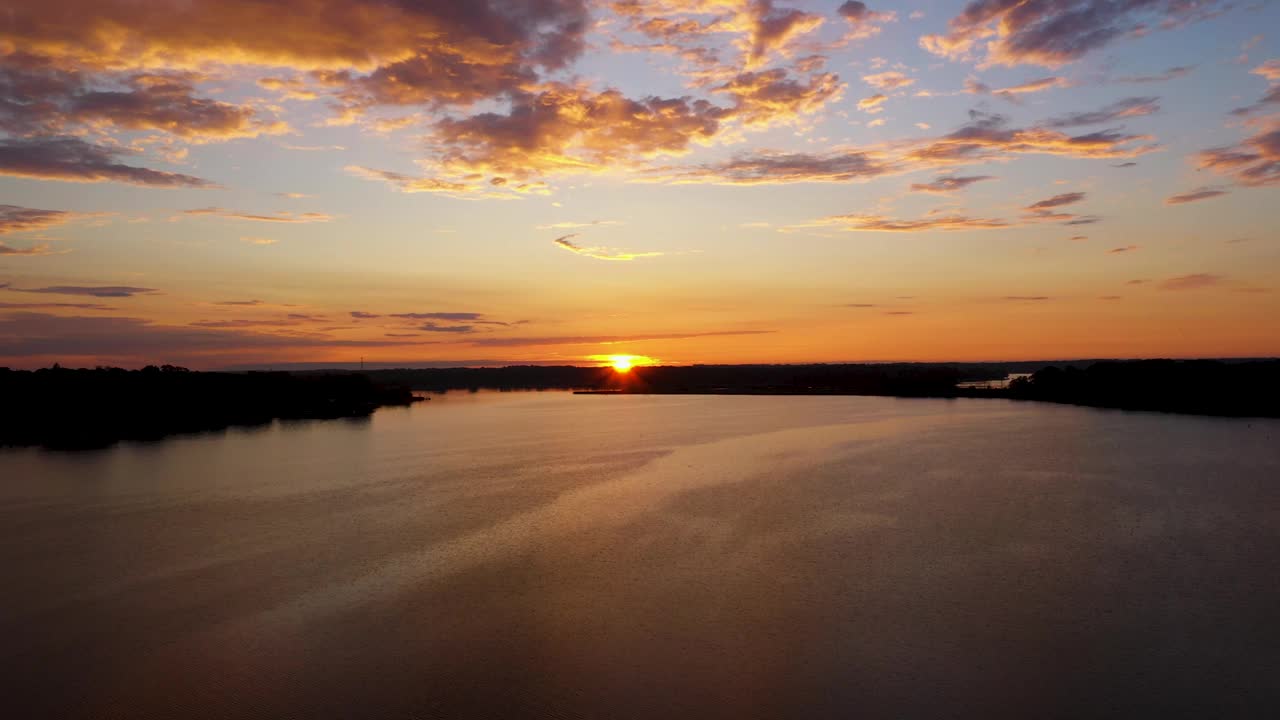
(621, 363)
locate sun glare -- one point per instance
(623, 364)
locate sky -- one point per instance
(239, 183)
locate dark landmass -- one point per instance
(1206, 387)
(63, 408)
(1201, 387)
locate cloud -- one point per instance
(438, 328)
(988, 136)
(1057, 201)
(165, 102)
(872, 103)
(279, 217)
(427, 51)
(292, 195)
(857, 222)
(1050, 34)
(452, 316)
(1170, 74)
(1203, 193)
(102, 291)
(1272, 97)
(360, 315)
(1125, 249)
(949, 183)
(1011, 93)
(568, 128)
(1255, 162)
(129, 340)
(33, 251)
(412, 184)
(1191, 282)
(605, 339)
(14, 218)
(74, 160)
(50, 305)
(1126, 108)
(1269, 70)
(254, 240)
(891, 80)
(768, 167)
(1026, 298)
(570, 225)
(600, 253)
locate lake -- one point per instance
(509, 555)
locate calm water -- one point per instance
(560, 556)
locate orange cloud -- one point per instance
(599, 253)
(279, 217)
(888, 80)
(858, 222)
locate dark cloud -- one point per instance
(452, 316)
(102, 291)
(1191, 282)
(776, 168)
(1255, 162)
(988, 136)
(1170, 74)
(438, 328)
(74, 160)
(128, 340)
(46, 306)
(949, 183)
(359, 315)
(1057, 201)
(1055, 32)
(1026, 298)
(1272, 97)
(239, 302)
(1125, 249)
(163, 101)
(1203, 193)
(1126, 108)
(14, 218)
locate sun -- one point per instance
(621, 363)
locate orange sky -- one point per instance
(714, 181)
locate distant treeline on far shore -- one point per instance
(59, 407)
(1210, 387)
